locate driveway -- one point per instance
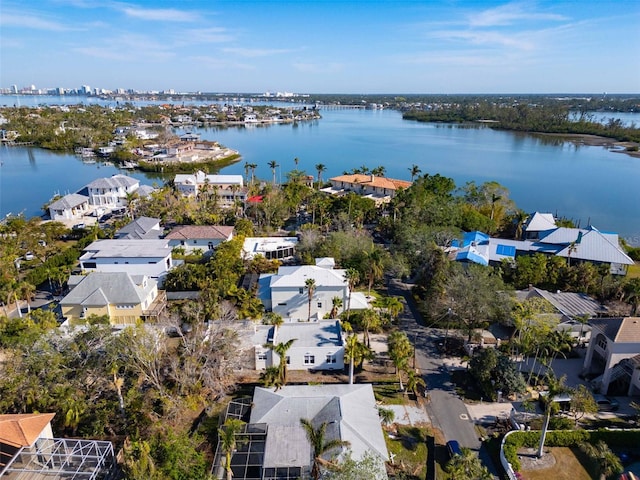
(447, 411)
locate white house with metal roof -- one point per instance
(271, 248)
(228, 188)
(124, 298)
(286, 293)
(349, 412)
(70, 207)
(111, 191)
(136, 257)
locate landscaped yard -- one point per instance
(409, 449)
(634, 270)
(567, 467)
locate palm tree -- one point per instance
(229, 441)
(131, 199)
(414, 382)
(556, 386)
(26, 292)
(607, 461)
(252, 167)
(320, 445)
(369, 320)
(379, 171)
(387, 416)
(415, 171)
(352, 277)
(281, 350)
(467, 465)
(374, 261)
(273, 165)
(336, 303)
(320, 167)
(247, 167)
(355, 352)
(310, 285)
(400, 350)
(296, 160)
(520, 217)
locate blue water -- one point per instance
(583, 183)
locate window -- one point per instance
(210, 245)
(282, 304)
(319, 304)
(309, 359)
(301, 290)
(288, 360)
(602, 343)
(506, 250)
(331, 358)
(89, 264)
(262, 355)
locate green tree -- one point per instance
(467, 466)
(310, 285)
(356, 352)
(228, 435)
(400, 350)
(281, 350)
(369, 467)
(336, 304)
(320, 446)
(414, 170)
(352, 277)
(369, 320)
(582, 403)
(607, 462)
(414, 382)
(273, 165)
(320, 168)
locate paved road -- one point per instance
(447, 412)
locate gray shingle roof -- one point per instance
(141, 227)
(115, 181)
(317, 334)
(101, 288)
(619, 329)
(69, 201)
(186, 232)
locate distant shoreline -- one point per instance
(614, 145)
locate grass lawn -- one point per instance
(389, 394)
(634, 270)
(568, 466)
(409, 450)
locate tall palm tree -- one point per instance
(356, 352)
(374, 261)
(414, 381)
(247, 167)
(296, 160)
(556, 386)
(415, 171)
(607, 461)
(229, 441)
(320, 445)
(281, 350)
(467, 465)
(369, 320)
(400, 350)
(310, 285)
(352, 277)
(252, 167)
(273, 165)
(379, 171)
(320, 167)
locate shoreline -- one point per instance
(614, 146)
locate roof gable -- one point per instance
(22, 430)
(213, 232)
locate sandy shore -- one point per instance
(597, 141)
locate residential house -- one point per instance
(70, 207)
(537, 223)
(278, 446)
(136, 257)
(140, 228)
(124, 298)
(199, 237)
(112, 191)
(575, 244)
(28, 449)
(316, 345)
(614, 355)
(379, 189)
(286, 292)
(228, 188)
(271, 248)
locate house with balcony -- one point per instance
(228, 188)
(199, 237)
(271, 248)
(125, 299)
(151, 258)
(70, 207)
(286, 292)
(613, 356)
(379, 189)
(111, 192)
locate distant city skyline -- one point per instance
(455, 46)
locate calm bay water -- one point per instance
(583, 183)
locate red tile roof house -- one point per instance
(29, 450)
(379, 189)
(202, 237)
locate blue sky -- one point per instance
(454, 46)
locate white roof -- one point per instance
(296, 276)
(255, 245)
(69, 201)
(349, 410)
(325, 333)
(538, 222)
(200, 178)
(116, 181)
(127, 248)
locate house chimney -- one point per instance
(373, 177)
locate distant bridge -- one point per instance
(333, 106)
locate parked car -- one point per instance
(453, 447)
(606, 404)
(28, 256)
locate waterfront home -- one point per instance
(228, 188)
(575, 244)
(28, 449)
(279, 447)
(124, 298)
(111, 192)
(70, 207)
(286, 292)
(271, 248)
(379, 189)
(199, 237)
(614, 355)
(136, 257)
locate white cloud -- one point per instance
(509, 14)
(256, 52)
(160, 14)
(128, 47)
(25, 20)
(208, 35)
(521, 41)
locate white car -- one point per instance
(29, 256)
